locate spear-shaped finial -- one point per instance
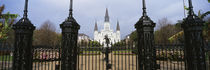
(144, 8)
(191, 13)
(25, 9)
(71, 8)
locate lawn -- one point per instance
(6, 58)
(123, 52)
(90, 52)
(120, 52)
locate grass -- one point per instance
(124, 52)
(90, 52)
(6, 58)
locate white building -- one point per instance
(113, 36)
(84, 38)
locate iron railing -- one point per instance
(6, 56)
(46, 58)
(92, 57)
(170, 56)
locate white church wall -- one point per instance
(99, 35)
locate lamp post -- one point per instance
(194, 42)
(23, 54)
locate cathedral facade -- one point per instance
(114, 36)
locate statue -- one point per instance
(107, 51)
(107, 40)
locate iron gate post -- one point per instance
(23, 54)
(146, 49)
(69, 47)
(69, 44)
(145, 44)
(194, 43)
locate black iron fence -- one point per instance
(170, 56)
(93, 57)
(123, 56)
(6, 56)
(46, 58)
(208, 56)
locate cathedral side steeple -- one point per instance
(118, 31)
(107, 16)
(118, 26)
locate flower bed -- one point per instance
(170, 55)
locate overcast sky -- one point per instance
(86, 12)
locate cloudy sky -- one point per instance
(86, 12)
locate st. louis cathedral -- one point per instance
(113, 36)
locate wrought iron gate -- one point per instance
(71, 56)
(91, 57)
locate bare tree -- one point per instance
(162, 23)
(164, 31)
(46, 35)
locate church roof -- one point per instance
(82, 34)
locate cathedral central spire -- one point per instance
(107, 16)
